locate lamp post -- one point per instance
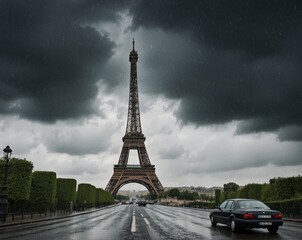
(7, 153)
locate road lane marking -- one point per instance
(133, 226)
(147, 222)
(145, 219)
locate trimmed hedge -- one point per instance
(43, 191)
(18, 179)
(66, 192)
(252, 190)
(106, 197)
(86, 195)
(98, 197)
(290, 208)
(287, 188)
(217, 196)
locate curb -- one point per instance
(292, 220)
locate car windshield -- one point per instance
(251, 204)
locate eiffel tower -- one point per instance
(144, 173)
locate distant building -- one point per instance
(210, 192)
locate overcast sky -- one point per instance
(220, 87)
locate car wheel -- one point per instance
(273, 229)
(233, 225)
(213, 222)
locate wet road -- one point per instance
(134, 222)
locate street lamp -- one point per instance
(7, 153)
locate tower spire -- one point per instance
(133, 120)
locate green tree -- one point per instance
(98, 197)
(297, 181)
(230, 190)
(105, 197)
(186, 195)
(217, 196)
(174, 192)
(269, 192)
(150, 196)
(66, 192)
(252, 190)
(287, 188)
(18, 183)
(121, 197)
(163, 195)
(86, 195)
(18, 179)
(43, 190)
(230, 187)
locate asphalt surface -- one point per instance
(134, 222)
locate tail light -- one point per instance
(248, 216)
(278, 216)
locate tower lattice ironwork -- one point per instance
(144, 173)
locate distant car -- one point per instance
(141, 203)
(246, 213)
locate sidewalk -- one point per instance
(37, 218)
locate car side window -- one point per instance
(243, 204)
(229, 205)
(222, 205)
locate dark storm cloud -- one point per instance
(292, 132)
(224, 60)
(245, 65)
(50, 59)
(252, 26)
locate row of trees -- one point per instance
(283, 194)
(276, 190)
(42, 191)
(183, 195)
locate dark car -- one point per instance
(246, 213)
(141, 202)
